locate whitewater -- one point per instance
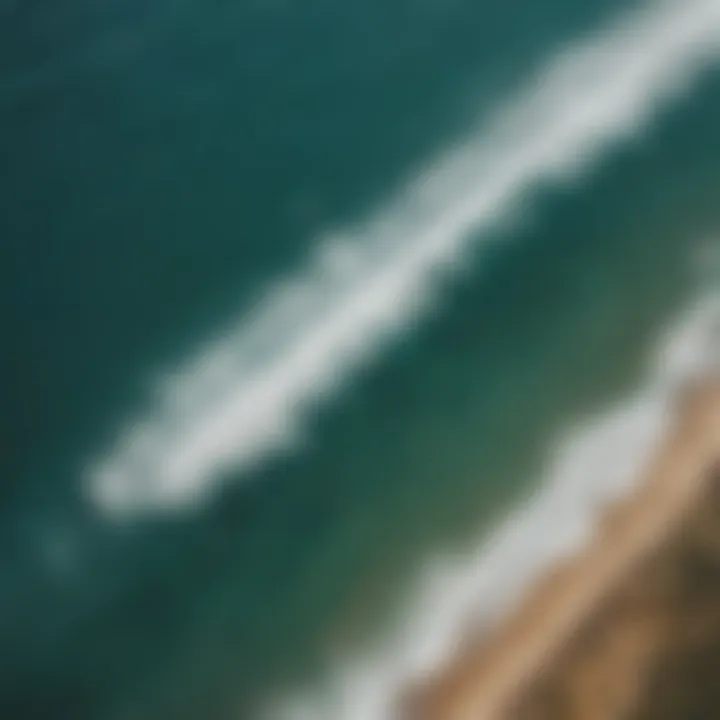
(243, 395)
(594, 464)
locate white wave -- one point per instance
(242, 397)
(596, 464)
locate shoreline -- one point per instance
(493, 679)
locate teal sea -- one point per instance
(210, 502)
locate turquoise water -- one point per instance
(164, 165)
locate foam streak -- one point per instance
(243, 397)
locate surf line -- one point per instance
(243, 395)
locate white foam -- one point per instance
(243, 396)
(594, 465)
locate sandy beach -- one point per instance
(595, 638)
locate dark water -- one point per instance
(161, 164)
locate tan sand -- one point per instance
(515, 672)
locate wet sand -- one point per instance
(599, 637)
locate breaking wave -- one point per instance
(243, 396)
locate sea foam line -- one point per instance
(243, 396)
(597, 463)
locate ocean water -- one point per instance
(300, 304)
